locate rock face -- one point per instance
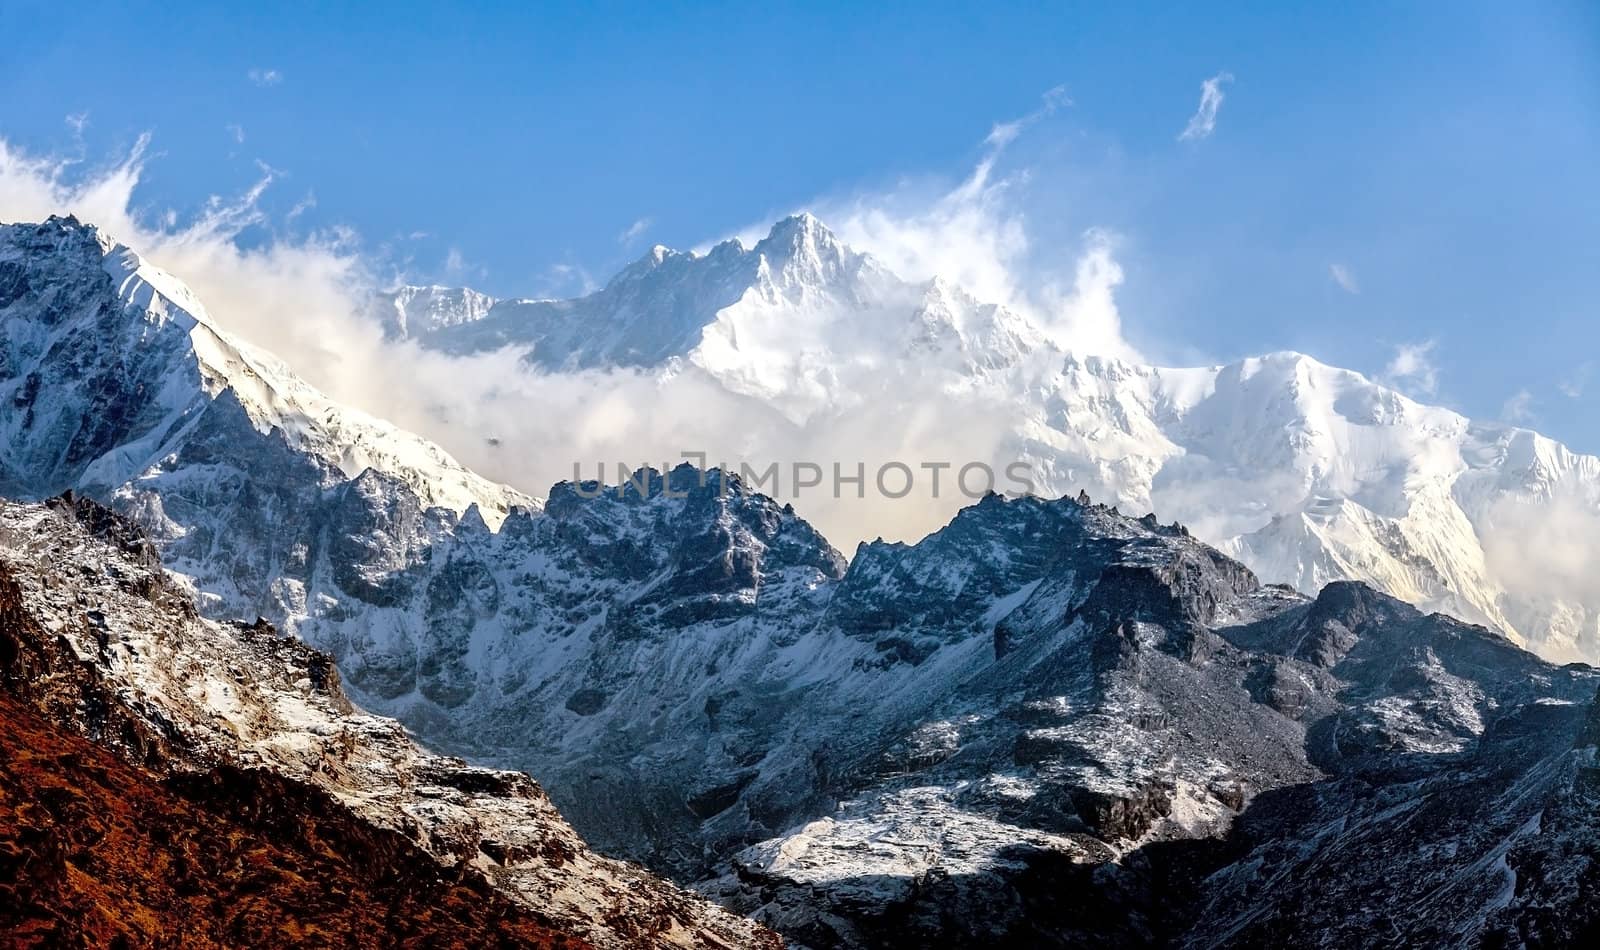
(243, 726)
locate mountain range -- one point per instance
(1307, 473)
(1047, 722)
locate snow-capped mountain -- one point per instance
(1306, 472)
(120, 385)
(112, 366)
(800, 320)
(416, 311)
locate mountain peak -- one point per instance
(800, 251)
(799, 230)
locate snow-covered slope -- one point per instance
(1306, 472)
(1312, 474)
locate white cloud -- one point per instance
(975, 234)
(265, 77)
(1546, 548)
(301, 207)
(1204, 120)
(634, 231)
(1412, 369)
(77, 122)
(236, 130)
(1341, 275)
(1519, 408)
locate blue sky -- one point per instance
(1442, 156)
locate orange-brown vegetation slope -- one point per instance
(95, 852)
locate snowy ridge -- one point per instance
(189, 361)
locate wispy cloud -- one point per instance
(1412, 369)
(1204, 120)
(1519, 408)
(1341, 275)
(1574, 386)
(77, 122)
(236, 130)
(1003, 133)
(634, 231)
(302, 206)
(568, 280)
(455, 264)
(265, 77)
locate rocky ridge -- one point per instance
(97, 640)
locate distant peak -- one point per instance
(798, 228)
(652, 259)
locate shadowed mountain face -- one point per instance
(1047, 724)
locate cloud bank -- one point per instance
(305, 296)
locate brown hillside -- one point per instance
(95, 852)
